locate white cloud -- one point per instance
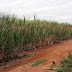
(59, 10)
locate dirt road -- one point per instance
(53, 53)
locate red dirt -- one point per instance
(53, 53)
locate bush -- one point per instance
(66, 64)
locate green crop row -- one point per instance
(21, 34)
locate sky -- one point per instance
(53, 10)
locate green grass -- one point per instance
(37, 63)
(66, 64)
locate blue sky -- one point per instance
(57, 10)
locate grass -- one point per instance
(37, 63)
(66, 64)
(17, 35)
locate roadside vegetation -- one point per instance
(38, 63)
(17, 35)
(66, 64)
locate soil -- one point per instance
(53, 53)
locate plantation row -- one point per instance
(17, 35)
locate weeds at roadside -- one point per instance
(5, 62)
(66, 64)
(37, 63)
